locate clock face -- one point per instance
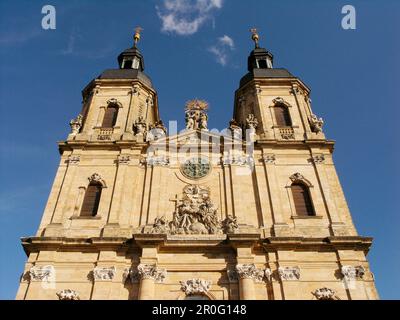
(196, 168)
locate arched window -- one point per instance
(302, 200)
(91, 200)
(282, 116)
(110, 117)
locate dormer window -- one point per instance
(127, 64)
(262, 64)
(136, 63)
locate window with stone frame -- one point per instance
(91, 200)
(302, 199)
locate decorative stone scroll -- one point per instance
(124, 159)
(72, 160)
(318, 158)
(157, 161)
(269, 158)
(104, 273)
(195, 286)
(42, 273)
(68, 294)
(289, 273)
(150, 271)
(296, 177)
(95, 177)
(352, 273)
(316, 123)
(76, 124)
(278, 101)
(324, 294)
(238, 160)
(249, 271)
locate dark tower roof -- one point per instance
(131, 65)
(259, 54)
(131, 53)
(260, 64)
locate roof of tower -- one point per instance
(126, 74)
(260, 63)
(131, 64)
(265, 73)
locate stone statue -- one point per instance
(195, 215)
(251, 121)
(160, 225)
(316, 123)
(235, 128)
(196, 115)
(140, 126)
(189, 121)
(156, 131)
(76, 124)
(203, 121)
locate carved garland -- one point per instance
(195, 286)
(104, 273)
(289, 273)
(150, 271)
(250, 271)
(68, 294)
(41, 273)
(324, 294)
(351, 273)
(95, 177)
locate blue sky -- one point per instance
(353, 75)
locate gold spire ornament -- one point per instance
(254, 36)
(196, 104)
(136, 37)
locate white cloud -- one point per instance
(226, 40)
(185, 17)
(222, 49)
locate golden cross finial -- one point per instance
(136, 37)
(254, 36)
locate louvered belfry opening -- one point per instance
(302, 200)
(92, 199)
(282, 116)
(110, 117)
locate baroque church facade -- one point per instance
(254, 212)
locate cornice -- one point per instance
(140, 241)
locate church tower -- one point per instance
(254, 212)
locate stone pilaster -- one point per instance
(149, 274)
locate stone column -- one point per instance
(149, 274)
(113, 226)
(103, 277)
(63, 203)
(338, 228)
(281, 228)
(133, 105)
(247, 274)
